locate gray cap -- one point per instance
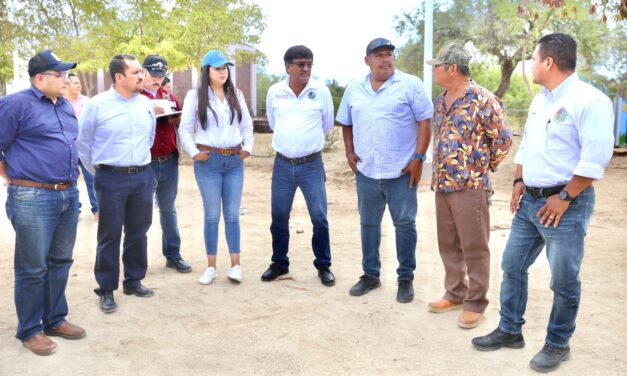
(452, 53)
(378, 43)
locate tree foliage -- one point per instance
(93, 31)
(503, 32)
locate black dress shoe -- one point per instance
(326, 277)
(141, 291)
(107, 303)
(365, 284)
(405, 292)
(273, 272)
(179, 264)
(498, 339)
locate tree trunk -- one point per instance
(507, 68)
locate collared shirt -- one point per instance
(78, 104)
(569, 131)
(165, 133)
(299, 123)
(471, 138)
(385, 133)
(38, 137)
(116, 131)
(222, 134)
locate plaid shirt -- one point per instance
(470, 140)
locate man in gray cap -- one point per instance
(471, 138)
(386, 117)
(39, 159)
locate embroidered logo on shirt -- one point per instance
(281, 96)
(312, 95)
(561, 115)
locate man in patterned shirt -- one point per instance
(471, 138)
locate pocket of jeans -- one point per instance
(26, 193)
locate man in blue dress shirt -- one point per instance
(38, 158)
(386, 117)
(567, 145)
(117, 129)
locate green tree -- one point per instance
(6, 47)
(264, 81)
(503, 32)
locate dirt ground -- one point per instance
(297, 326)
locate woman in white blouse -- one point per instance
(217, 132)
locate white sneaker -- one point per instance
(208, 276)
(235, 274)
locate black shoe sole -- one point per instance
(111, 310)
(511, 345)
(364, 292)
(133, 292)
(328, 284)
(406, 300)
(265, 279)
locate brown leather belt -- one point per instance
(224, 151)
(27, 183)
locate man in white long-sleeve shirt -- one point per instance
(117, 129)
(300, 111)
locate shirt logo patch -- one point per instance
(312, 95)
(561, 115)
(281, 96)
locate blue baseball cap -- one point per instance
(378, 43)
(45, 61)
(215, 58)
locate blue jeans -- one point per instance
(89, 183)
(125, 203)
(310, 178)
(372, 196)
(564, 250)
(166, 186)
(220, 180)
(45, 222)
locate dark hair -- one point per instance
(230, 93)
(118, 65)
(72, 75)
(562, 48)
(297, 52)
(464, 70)
(165, 81)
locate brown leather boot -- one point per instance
(67, 331)
(443, 305)
(469, 319)
(40, 344)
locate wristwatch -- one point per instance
(421, 157)
(565, 196)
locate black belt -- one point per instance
(164, 158)
(301, 160)
(126, 170)
(544, 192)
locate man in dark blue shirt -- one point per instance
(39, 159)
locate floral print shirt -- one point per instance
(470, 140)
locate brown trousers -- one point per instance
(463, 221)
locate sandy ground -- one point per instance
(297, 326)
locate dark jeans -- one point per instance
(45, 222)
(125, 202)
(166, 187)
(310, 178)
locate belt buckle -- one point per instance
(56, 187)
(133, 170)
(226, 152)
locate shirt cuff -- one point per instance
(589, 170)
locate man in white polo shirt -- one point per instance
(300, 111)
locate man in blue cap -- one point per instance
(386, 116)
(38, 158)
